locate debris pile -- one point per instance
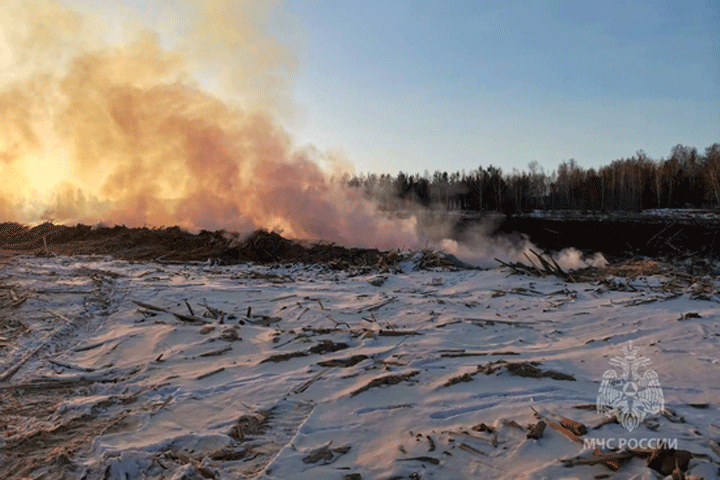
(694, 278)
(430, 259)
(122, 242)
(546, 267)
(172, 244)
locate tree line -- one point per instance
(686, 179)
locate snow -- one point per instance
(259, 396)
(677, 214)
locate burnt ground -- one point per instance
(682, 236)
(176, 245)
(624, 236)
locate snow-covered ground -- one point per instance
(301, 372)
(677, 214)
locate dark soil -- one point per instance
(176, 245)
(621, 237)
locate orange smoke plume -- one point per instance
(125, 134)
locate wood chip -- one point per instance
(210, 373)
(470, 449)
(537, 430)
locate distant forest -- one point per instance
(687, 179)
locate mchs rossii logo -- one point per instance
(630, 395)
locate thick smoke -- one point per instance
(124, 131)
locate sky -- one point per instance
(416, 85)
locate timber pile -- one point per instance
(172, 244)
(128, 243)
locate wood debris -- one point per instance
(537, 430)
(180, 316)
(523, 369)
(664, 461)
(547, 267)
(325, 454)
(343, 362)
(392, 379)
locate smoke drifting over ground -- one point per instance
(123, 132)
(478, 247)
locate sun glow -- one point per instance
(125, 134)
(46, 172)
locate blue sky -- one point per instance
(417, 85)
